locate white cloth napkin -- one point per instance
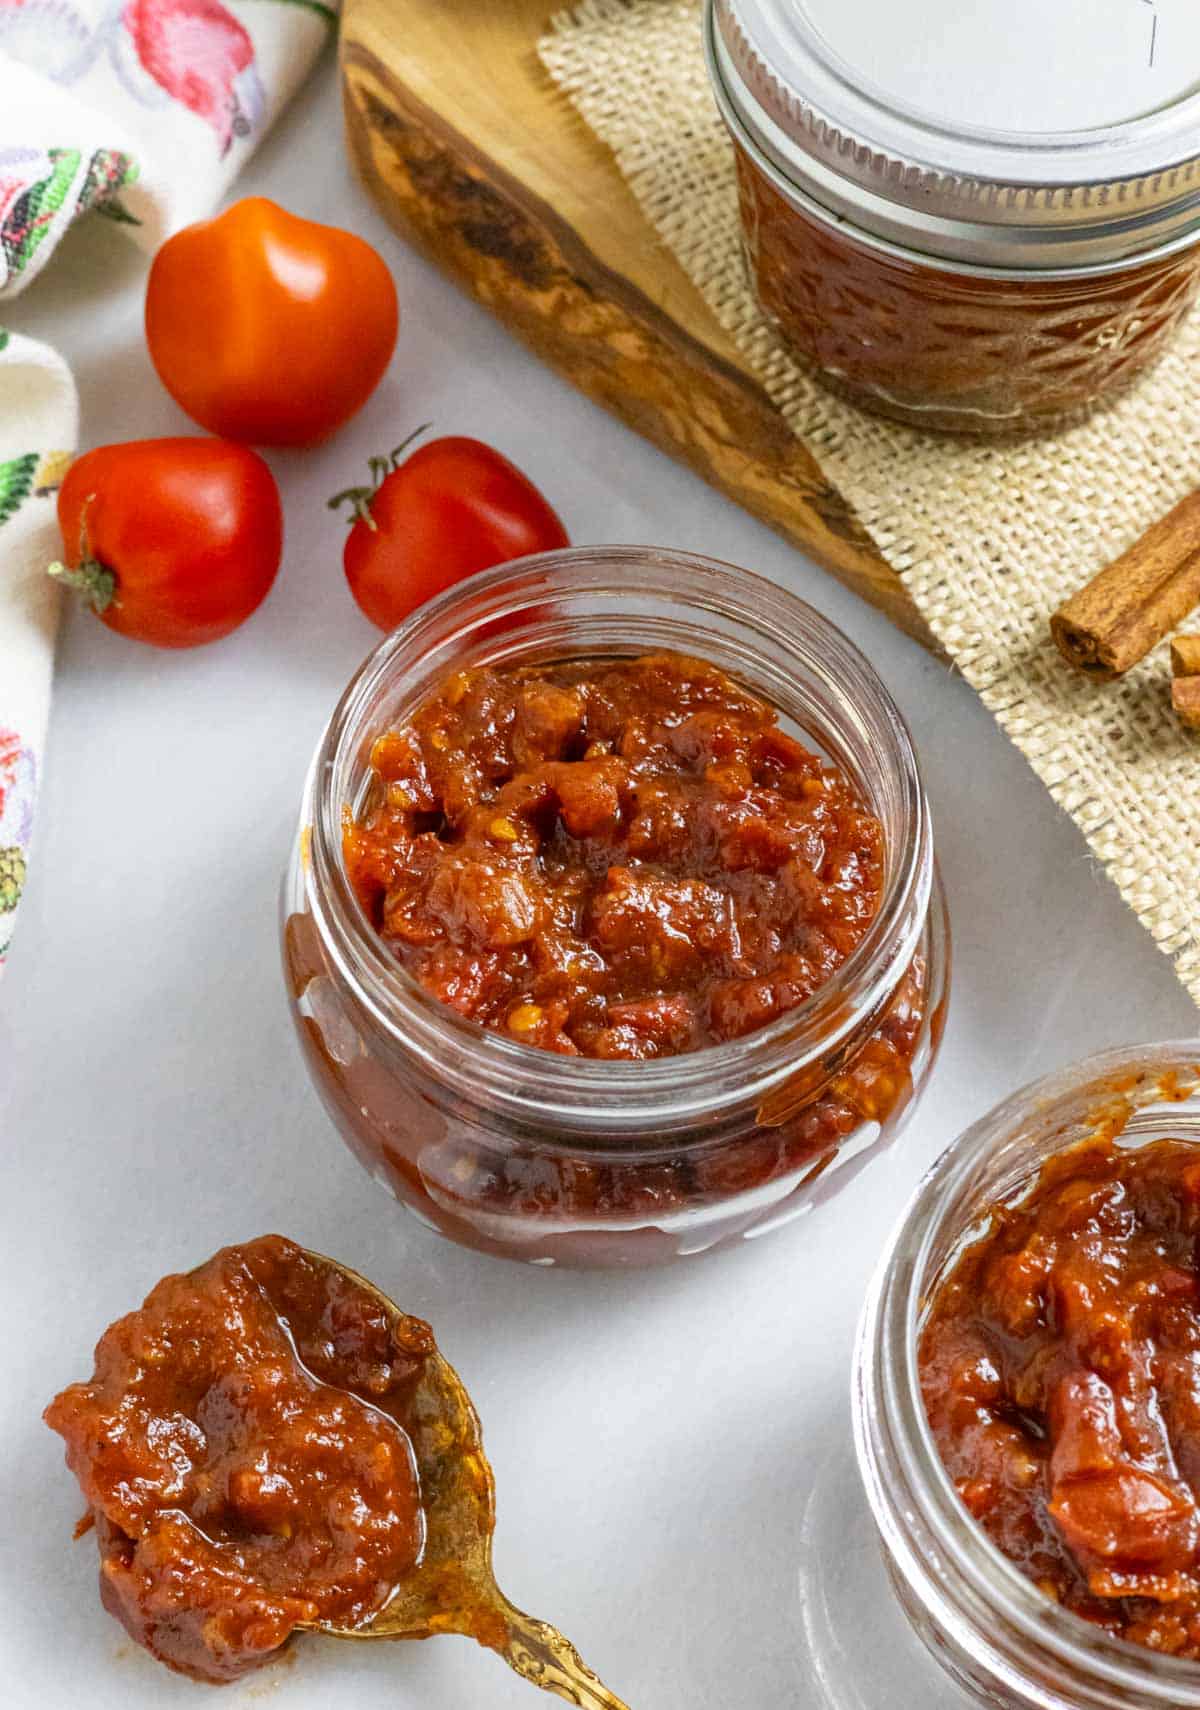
(144, 111)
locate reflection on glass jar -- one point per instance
(990, 268)
(552, 1158)
(994, 1629)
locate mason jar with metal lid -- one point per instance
(981, 218)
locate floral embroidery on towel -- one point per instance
(195, 52)
(36, 185)
(18, 772)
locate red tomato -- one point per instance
(171, 541)
(269, 328)
(452, 508)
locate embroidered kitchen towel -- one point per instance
(988, 538)
(38, 421)
(143, 111)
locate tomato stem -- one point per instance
(360, 504)
(380, 468)
(91, 579)
(395, 456)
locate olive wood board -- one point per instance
(477, 158)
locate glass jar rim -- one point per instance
(974, 1582)
(580, 1092)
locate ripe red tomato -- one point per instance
(171, 541)
(452, 508)
(269, 328)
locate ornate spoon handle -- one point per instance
(540, 1653)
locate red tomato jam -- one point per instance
(1060, 1363)
(956, 350)
(623, 859)
(241, 1447)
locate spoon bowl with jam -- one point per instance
(268, 1446)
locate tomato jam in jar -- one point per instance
(613, 930)
(1027, 1392)
(983, 219)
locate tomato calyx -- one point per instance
(380, 468)
(90, 578)
(94, 581)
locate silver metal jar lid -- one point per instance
(1004, 133)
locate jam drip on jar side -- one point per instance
(613, 859)
(242, 1451)
(1060, 1363)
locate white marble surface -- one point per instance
(671, 1448)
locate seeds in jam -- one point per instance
(241, 1447)
(618, 859)
(1060, 1363)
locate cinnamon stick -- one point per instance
(1185, 698)
(1185, 656)
(1128, 608)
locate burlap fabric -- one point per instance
(988, 538)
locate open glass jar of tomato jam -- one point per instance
(530, 1153)
(1091, 1277)
(982, 218)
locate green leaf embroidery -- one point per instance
(108, 173)
(101, 178)
(32, 215)
(16, 483)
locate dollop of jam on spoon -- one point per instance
(270, 1445)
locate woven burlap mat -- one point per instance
(988, 538)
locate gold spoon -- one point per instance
(452, 1588)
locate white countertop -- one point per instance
(671, 1448)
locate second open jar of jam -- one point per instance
(1026, 1397)
(982, 218)
(613, 930)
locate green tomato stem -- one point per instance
(360, 505)
(94, 581)
(380, 467)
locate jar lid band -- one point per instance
(932, 142)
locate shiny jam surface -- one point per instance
(954, 350)
(615, 859)
(1060, 1362)
(242, 1452)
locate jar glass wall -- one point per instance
(550, 1158)
(954, 348)
(989, 1626)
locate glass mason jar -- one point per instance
(967, 219)
(992, 1629)
(550, 1158)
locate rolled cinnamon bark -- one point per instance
(1185, 698)
(1185, 656)
(1128, 608)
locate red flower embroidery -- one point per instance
(10, 753)
(203, 57)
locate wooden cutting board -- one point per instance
(475, 156)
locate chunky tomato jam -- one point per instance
(1060, 1362)
(242, 1451)
(623, 859)
(956, 350)
(610, 858)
